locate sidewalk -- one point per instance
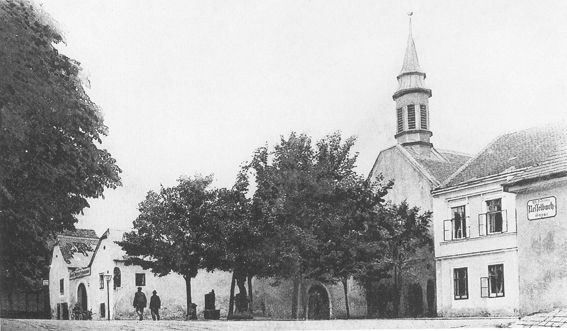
(556, 319)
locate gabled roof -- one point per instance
(444, 166)
(76, 250)
(554, 166)
(113, 235)
(511, 152)
(435, 167)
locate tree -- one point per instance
(297, 187)
(173, 232)
(241, 238)
(344, 230)
(408, 231)
(50, 134)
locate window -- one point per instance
(400, 120)
(494, 215)
(101, 281)
(140, 279)
(117, 278)
(423, 116)
(460, 283)
(411, 117)
(61, 286)
(496, 280)
(459, 222)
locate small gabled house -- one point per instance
(73, 250)
(476, 225)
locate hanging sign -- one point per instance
(542, 208)
(80, 273)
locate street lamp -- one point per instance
(108, 276)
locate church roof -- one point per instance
(77, 247)
(440, 164)
(510, 153)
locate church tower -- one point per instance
(412, 103)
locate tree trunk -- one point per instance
(295, 298)
(345, 280)
(188, 291)
(231, 299)
(250, 310)
(396, 292)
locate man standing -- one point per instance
(140, 303)
(155, 305)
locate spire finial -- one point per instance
(410, 14)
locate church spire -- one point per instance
(412, 102)
(411, 62)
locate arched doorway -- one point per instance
(82, 297)
(415, 300)
(318, 304)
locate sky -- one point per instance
(194, 87)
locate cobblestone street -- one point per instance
(17, 325)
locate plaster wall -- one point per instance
(542, 248)
(409, 183)
(58, 270)
(477, 267)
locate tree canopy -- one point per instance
(50, 135)
(175, 232)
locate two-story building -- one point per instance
(478, 265)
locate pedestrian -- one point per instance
(155, 305)
(140, 303)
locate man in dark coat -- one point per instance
(140, 303)
(155, 305)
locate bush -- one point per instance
(80, 314)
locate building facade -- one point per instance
(484, 264)
(416, 167)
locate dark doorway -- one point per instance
(318, 304)
(82, 297)
(415, 300)
(431, 309)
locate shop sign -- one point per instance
(80, 273)
(542, 208)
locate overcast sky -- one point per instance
(195, 86)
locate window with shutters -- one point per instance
(460, 283)
(494, 220)
(411, 117)
(423, 116)
(493, 285)
(400, 120)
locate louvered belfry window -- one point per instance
(400, 120)
(411, 117)
(423, 116)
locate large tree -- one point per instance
(51, 161)
(349, 232)
(296, 187)
(174, 232)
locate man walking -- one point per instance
(140, 303)
(155, 305)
